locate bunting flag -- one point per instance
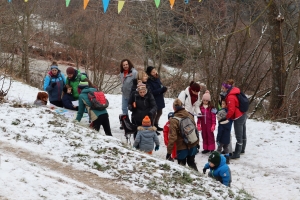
(105, 4)
(200, 0)
(120, 6)
(172, 3)
(67, 3)
(157, 2)
(85, 3)
(26, 0)
(187, 1)
(9, 1)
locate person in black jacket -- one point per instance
(68, 98)
(141, 103)
(158, 90)
(141, 77)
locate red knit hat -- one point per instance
(146, 121)
(194, 86)
(70, 70)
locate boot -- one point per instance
(227, 159)
(158, 128)
(237, 151)
(244, 146)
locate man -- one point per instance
(185, 151)
(74, 78)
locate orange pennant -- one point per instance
(85, 3)
(172, 3)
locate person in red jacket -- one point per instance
(239, 118)
(166, 135)
(207, 123)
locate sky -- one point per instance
(45, 155)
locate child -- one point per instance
(68, 98)
(41, 99)
(207, 123)
(146, 137)
(166, 136)
(224, 128)
(219, 170)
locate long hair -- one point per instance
(42, 95)
(129, 63)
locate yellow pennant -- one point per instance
(172, 3)
(120, 6)
(85, 3)
(26, 0)
(200, 0)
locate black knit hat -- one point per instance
(149, 69)
(215, 158)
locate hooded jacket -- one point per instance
(127, 82)
(84, 102)
(56, 91)
(74, 82)
(145, 138)
(233, 104)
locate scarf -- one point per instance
(194, 97)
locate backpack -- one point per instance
(243, 101)
(188, 130)
(98, 100)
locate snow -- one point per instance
(268, 170)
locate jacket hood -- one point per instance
(143, 128)
(234, 91)
(87, 90)
(181, 113)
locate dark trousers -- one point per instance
(157, 116)
(190, 160)
(57, 103)
(104, 121)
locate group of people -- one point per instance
(143, 95)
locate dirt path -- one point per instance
(108, 186)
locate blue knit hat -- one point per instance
(54, 67)
(171, 114)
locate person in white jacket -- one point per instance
(190, 97)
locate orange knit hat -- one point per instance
(146, 121)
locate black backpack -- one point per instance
(244, 102)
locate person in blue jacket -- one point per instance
(98, 117)
(158, 90)
(219, 170)
(68, 98)
(54, 83)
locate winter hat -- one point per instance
(70, 70)
(54, 67)
(146, 121)
(195, 86)
(141, 86)
(215, 158)
(149, 69)
(227, 86)
(171, 114)
(206, 96)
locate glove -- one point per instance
(199, 115)
(164, 89)
(204, 170)
(225, 122)
(168, 156)
(213, 128)
(199, 127)
(53, 84)
(156, 147)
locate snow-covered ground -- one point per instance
(44, 155)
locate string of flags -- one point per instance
(120, 3)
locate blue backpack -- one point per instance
(244, 102)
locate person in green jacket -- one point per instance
(74, 78)
(98, 117)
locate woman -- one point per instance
(141, 103)
(158, 90)
(141, 77)
(54, 83)
(190, 98)
(239, 118)
(127, 75)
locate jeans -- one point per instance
(124, 105)
(240, 129)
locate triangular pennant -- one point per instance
(186, 1)
(157, 2)
(120, 6)
(200, 0)
(85, 3)
(67, 3)
(9, 1)
(105, 4)
(26, 0)
(172, 3)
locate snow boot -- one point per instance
(237, 152)
(244, 146)
(227, 159)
